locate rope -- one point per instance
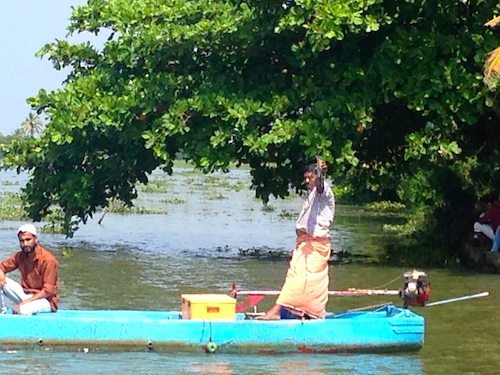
(386, 284)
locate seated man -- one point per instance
(488, 222)
(38, 270)
(495, 246)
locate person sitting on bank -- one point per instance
(495, 246)
(305, 291)
(489, 221)
(38, 269)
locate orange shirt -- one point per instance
(39, 271)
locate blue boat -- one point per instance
(384, 329)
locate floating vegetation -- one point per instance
(287, 215)
(256, 252)
(400, 229)
(153, 188)
(217, 182)
(9, 212)
(338, 257)
(385, 208)
(345, 257)
(238, 186)
(11, 198)
(11, 207)
(52, 228)
(122, 209)
(161, 182)
(212, 196)
(10, 183)
(116, 206)
(267, 208)
(174, 200)
(189, 172)
(67, 252)
(54, 220)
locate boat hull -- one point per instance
(387, 329)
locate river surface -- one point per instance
(195, 246)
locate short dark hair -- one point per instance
(311, 168)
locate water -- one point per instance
(148, 261)
(163, 363)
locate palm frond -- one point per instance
(32, 125)
(493, 22)
(492, 67)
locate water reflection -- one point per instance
(40, 362)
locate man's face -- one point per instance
(27, 241)
(310, 179)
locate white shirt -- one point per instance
(317, 213)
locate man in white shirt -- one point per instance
(305, 291)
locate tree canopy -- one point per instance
(390, 93)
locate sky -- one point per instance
(25, 27)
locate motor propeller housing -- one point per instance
(416, 288)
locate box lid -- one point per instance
(208, 298)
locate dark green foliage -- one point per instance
(391, 94)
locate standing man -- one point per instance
(38, 270)
(305, 291)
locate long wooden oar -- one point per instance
(346, 292)
(442, 302)
(255, 296)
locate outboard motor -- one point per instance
(416, 288)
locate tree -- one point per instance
(389, 93)
(32, 125)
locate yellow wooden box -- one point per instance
(208, 307)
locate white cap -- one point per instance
(30, 228)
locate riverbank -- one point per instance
(480, 258)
